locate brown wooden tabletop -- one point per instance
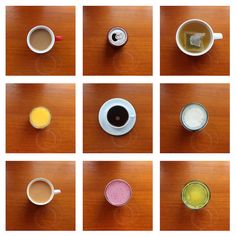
(134, 58)
(59, 136)
(175, 215)
(21, 214)
(98, 214)
(20, 60)
(214, 138)
(139, 139)
(174, 62)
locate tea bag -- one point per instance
(194, 41)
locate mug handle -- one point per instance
(217, 36)
(57, 191)
(58, 38)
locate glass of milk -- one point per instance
(194, 117)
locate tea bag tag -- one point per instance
(196, 39)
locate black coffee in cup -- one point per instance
(117, 116)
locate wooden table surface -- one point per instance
(20, 60)
(98, 214)
(138, 140)
(134, 58)
(214, 138)
(21, 214)
(59, 136)
(174, 215)
(174, 62)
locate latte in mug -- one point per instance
(40, 191)
(40, 39)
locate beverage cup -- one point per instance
(213, 37)
(40, 191)
(51, 37)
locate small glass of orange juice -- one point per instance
(40, 117)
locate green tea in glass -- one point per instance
(195, 195)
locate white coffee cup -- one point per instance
(214, 36)
(53, 191)
(110, 128)
(53, 39)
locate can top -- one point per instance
(117, 36)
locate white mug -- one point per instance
(53, 39)
(214, 36)
(53, 191)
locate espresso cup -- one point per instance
(40, 191)
(213, 37)
(50, 39)
(117, 116)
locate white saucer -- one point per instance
(107, 126)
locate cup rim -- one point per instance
(190, 53)
(121, 180)
(52, 39)
(43, 180)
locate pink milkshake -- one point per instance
(118, 192)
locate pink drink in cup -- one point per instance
(118, 192)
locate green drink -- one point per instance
(195, 195)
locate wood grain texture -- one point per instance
(174, 62)
(21, 214)
(58, 137)
(134, 58)
(20, 60)
(138, 140)
(174, 215)
(98, 214)
(214, 138)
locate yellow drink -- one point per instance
(195, 195)
(40, 117)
